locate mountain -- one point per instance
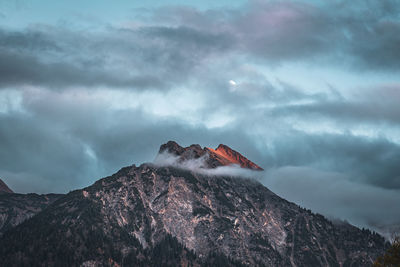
(16, 208)
(155, 215)
(4, 188)
(221, 156)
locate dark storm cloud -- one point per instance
(285, 30)
(362, 34)
(366, 33)
(155, 56)
(373, 34)
(274, 30)
(180, 50)
(187, 38)
(26, 40)
(17, 69)
(365, 160)
(144, 58)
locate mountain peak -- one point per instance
(234, 157)
(171, 147)
(223, 155)
(222, 146)
(4, 188)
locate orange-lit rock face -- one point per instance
(222, 156)
(227, 156)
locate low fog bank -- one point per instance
(332, 194)
(199, 165)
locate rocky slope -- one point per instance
(4, 188)
(167, 216)
(16, 208)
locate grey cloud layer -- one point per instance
(60, 125)
(365, 34)
(149, 57)
(185, 38)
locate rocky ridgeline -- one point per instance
(213, 158)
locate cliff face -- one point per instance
(158, 216)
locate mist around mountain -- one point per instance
(196, 157)
(191, 207)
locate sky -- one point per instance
(309, 90)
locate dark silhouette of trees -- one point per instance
(392, 256)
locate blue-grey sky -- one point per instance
(309, 90)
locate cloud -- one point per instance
(364, 160)
(27, 40)
(352, 109)
(173, 45)
(336, 196)
(20, 70)
(362, 34)
(121, 134)
(167, 159)
(199, 165)
(71, 139)
(37, 157)
(149, 57)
